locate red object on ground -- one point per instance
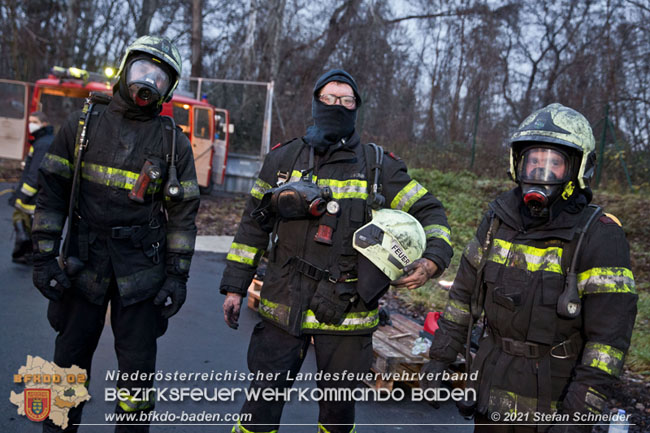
(431, 322)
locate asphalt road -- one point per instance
(197, 341)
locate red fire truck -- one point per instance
(64, 91)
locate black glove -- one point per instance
(331, 301)
(174, 288)
(432, 377)
(49, 278)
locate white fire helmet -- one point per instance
(391, 240)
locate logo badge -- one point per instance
(37, 404)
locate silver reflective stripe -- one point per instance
(28, 190)
(438, 231)
(181, 242)
(408, 196)
(190, 189)
(526, 257)
(260, 188)
(606, 280)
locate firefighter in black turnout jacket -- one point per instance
(24, 199)
(552, 275)
(124, 177)
(312, 195)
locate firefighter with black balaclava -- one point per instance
(315, 197)
(123, 176)
(24, 199)
(552, 276)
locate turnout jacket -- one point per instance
(529, 358)
(289, 284)
(25, 196)
(138, 244)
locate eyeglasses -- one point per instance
(347, 101)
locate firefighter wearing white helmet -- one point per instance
(548, 271)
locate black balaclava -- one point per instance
(121, 91)
(331, 122)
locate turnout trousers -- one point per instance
(273, 350)
(79, 325)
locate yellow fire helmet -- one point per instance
(391, 240)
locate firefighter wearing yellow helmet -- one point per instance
(548, 271)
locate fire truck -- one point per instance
(64, 90)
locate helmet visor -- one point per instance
(144, 71)
(543, 165)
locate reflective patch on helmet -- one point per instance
(457, 312)
(606, 280)
(526, 257)
(246, 254)
(568, 190)
(260, 188)
(407, 196)
(438, 231)
(603, 357)
(57, 165)
(363, 320)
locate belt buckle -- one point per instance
(116, 232)
(563, 345)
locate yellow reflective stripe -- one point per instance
(48, 221)
(45, 246)
(457, 312)
(526, 257)
(57, 165)
(322, 429)
(190, 189)
(408, 196)
(438, 231)
(297, 175)
(238, 428)
(181, 242)
(503, 401)
(606, 280)
(244, 254)
(27, 208)
(473, 252)
(603, 357)
(114, 177)
(31, 151)
(596, 402)
(349, 188)
(28, 190)
(351, 321)
(260, 188)
(274, 311)
(130, 404)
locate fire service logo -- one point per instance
(37, 403)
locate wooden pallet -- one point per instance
(392, 346)
(254, 294)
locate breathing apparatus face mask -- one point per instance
(542, 172)
(147, 82)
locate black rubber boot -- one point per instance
(22, 252)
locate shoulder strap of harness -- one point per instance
(373, 174)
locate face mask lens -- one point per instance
(149, 74)
(543, 165)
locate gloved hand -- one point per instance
(174, 288)
(328, 304)
(49, 278)
(416, 274)
(432, 377)
(231, 308)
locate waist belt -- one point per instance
(566, 349)
(316, 273)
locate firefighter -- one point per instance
(551, 274)
(311, 195)
(133, 228)
(24, 199)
